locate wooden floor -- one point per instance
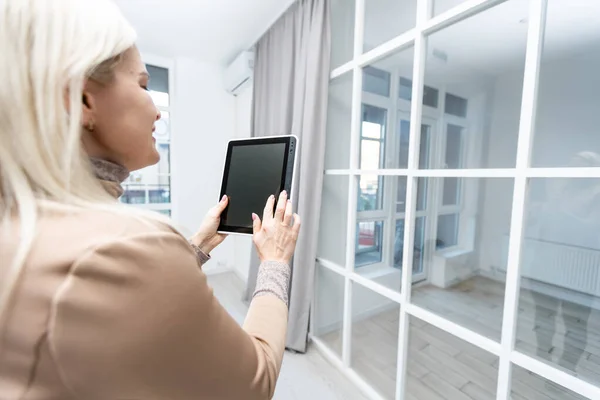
(441, 366)
(303, 376)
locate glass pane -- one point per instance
(419, 245)
(405, 89)
(163, 168)
(404, 136)
(447, 231)
(386, 19)
(369, 243)
(158, 85)
(371, 151)
(451, 194)
(440, 6)
(566, 129)
(342, 31)
(162, 133)
(454, 146)
(159, 78)
(374, 353)
(401, 194)
(333, 221)
(441, 366)
(483, 80)
(133, 195)
(374, 122)
(377, 106)
(430, 95)
(372, 157)
(425, 144)
(455, 105)
(153, 181)
(528, 386)
(465, 284)
(376, 81)
(337, 146)
(159, 195)
(560, 281)
(370, 193)
(164, 212)
(329, 308)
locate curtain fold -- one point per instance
(291, 78)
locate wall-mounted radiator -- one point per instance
(571, 267)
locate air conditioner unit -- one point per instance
(238, 75)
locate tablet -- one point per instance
(255, 169)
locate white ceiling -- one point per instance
(212, 31)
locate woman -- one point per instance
(100, 301)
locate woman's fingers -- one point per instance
(217, 210)
(268, 212)
(281, 206)
(297, 225)
(256, 224)
(287, 217)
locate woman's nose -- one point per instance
(158, 114)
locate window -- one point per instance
(430, 95)
(456, 105)
(447, 231)
(369, 243)
(150, 188)
(372, 157)
(419, 243)
(501, 123)
(376, 81)
(379, 150)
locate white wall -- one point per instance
(566, 123)
(203, 123)
(242, 245)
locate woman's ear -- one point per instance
(88, 109)
(85, 99)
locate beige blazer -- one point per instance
(118, 308)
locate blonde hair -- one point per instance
(49, 49)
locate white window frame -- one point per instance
(438, 121)
(505, 348)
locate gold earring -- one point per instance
(90, 126)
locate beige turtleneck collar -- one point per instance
(111, 175)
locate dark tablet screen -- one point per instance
(255, 169)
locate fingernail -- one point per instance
(284, 193)
(254, 216)
(272, 197)
(224, 197)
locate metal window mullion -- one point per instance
(535, 40)
(424, 9)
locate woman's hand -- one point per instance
(274, 237)
(207, 237)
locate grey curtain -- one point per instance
(291, 77)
